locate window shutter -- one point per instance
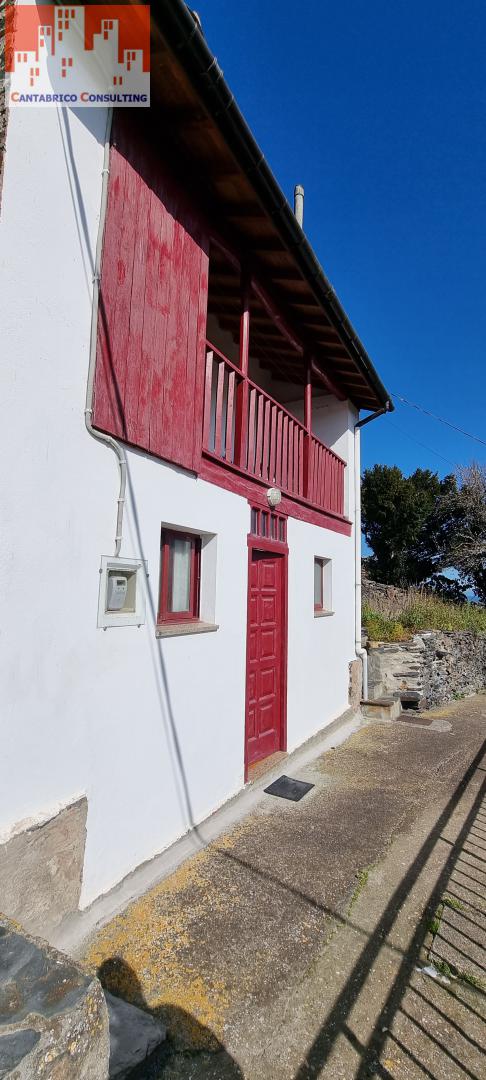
(152, 310)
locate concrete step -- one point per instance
(384, 708)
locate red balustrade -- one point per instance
(247, 430)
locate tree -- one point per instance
(403, 525)
(462, 511)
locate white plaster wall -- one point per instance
(113, 713)
(151, 731)
(319, 649)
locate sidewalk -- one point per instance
(288, 949)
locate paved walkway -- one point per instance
(293, 947)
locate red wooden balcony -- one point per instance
(246, 430)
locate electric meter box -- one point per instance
(122, 592)
(117, 591)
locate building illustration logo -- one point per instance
(82, 56)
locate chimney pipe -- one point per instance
(299, 204)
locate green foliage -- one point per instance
(423, 612)
(443, 968)
(419, 525)
(362, 876)
(473, 980)
(451, 902)
(402, 523)
(434, 923)
(463, 527)
(381, 627)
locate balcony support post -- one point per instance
(308, 429)
(241, 420)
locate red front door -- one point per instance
(265, 655)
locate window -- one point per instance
(268, 525)
(322, 586)
(180, 564)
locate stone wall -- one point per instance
(355, 683)
(41, 868)
(434, 667)
(386, 599)
(53, 1015)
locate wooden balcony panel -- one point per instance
(247, 430)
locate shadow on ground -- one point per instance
(371, 1012)
(183, 1031)
(430, 1025)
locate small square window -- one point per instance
(180, 564)
(322, 586)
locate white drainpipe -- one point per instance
(360, 652)
(88, 411)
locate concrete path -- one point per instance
(293, 947)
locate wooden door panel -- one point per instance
(265, 655)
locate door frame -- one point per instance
(273, 547)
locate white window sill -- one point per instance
(179, 629)
(322, 614)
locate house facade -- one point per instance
(179, 365)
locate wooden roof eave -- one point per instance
(315, 318)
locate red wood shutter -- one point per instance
(153, 302)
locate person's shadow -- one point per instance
(190, 1049)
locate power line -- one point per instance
(423, 445)
(441, 420)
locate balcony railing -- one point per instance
(248, 431)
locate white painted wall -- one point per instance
(151, 730)
(319, 648)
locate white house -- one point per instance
(181, 388)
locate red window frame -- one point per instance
(166, 570)
(320, 563)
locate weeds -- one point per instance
(362, 876)
(443, 968)
(473, 980)
(434, 923)
(451, 902)
(416, 611)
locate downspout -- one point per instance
(88, 411)
(361, 653)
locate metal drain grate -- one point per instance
(286, 788)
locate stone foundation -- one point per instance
(355, 683)
(41, 866)
(433, 668)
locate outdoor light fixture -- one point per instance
(274, 496)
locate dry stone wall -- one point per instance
(434, 667)
(53, 1015)
(384, 598)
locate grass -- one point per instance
(463, 975)
(362, 876)
(451, 902)
(418, 611)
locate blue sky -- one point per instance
(378, 109)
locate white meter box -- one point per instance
(122, 592)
